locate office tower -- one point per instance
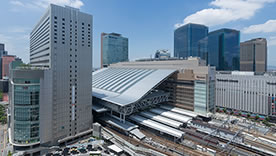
(60, 72)
(114, 48)
(6, 60)
(186, 39)
(2, 53)
(253, 56)
(224, 49)
(162, 54)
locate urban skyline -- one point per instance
(147, 23)
(196, 102)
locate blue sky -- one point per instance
(149, 24)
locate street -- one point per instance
(3, 138)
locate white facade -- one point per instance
(62, 42)
(246, 92)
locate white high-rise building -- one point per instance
(61, 44)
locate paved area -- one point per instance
(3, 139)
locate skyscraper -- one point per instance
(224, 49)
(253, 56)
(60, 76)
(186, 39)
(114, 48)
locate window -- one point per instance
(63, 27)
(82, 23)
(63, 42)
(63, 19)
(89, 25)
(55, 41)
(55, 17)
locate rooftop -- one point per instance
(123, 86)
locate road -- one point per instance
(3, 138)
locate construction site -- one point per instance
(136, 115)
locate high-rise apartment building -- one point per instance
(58, 81)
(186, 39)
(253, 55)
(224, 49)
(114, 48)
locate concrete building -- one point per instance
(192, 87)
(6, 60)
(186, 39)
(114, 48)
(253, 55)
(246, 92)
(3, 52)
(162, 54)
(59, 77)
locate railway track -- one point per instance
(176, 146)
(259, 144)
(246, 148)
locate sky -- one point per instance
(148, 24)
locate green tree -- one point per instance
(224, 109)
(1, 96)
(9, 153)
(257, 117)
(248, 115)
(217, 110)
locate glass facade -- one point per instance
(186, 40)
(200, 99)
(26, 111)
(114, 49)
(224, 49)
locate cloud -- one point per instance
(36, 4)
(272, 41)
(224, 11)
(268, 26)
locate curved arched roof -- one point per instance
(123, 86)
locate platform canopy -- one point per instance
(124, 86)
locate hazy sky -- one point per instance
(149, 24)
